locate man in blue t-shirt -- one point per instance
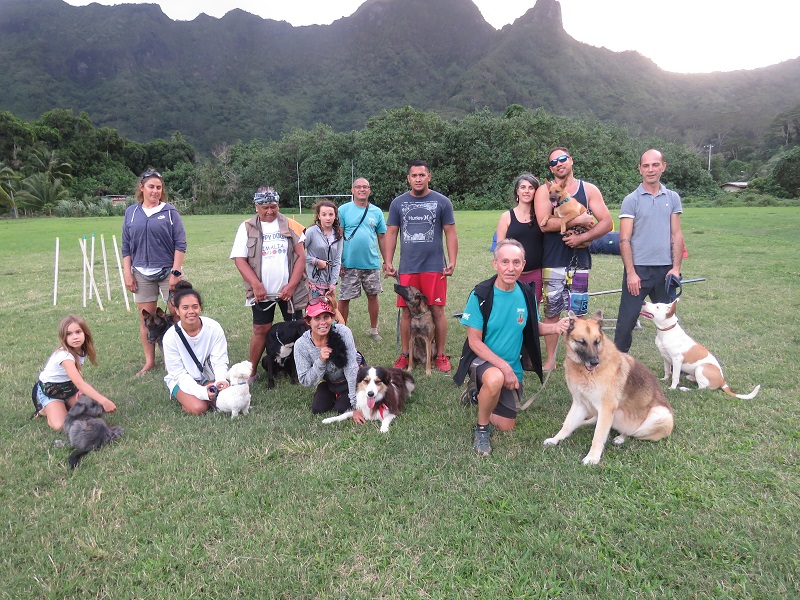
(501, 320)
(363, 228)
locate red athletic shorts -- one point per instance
(433, 285)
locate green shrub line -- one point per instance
(278, 505)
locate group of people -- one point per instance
(536, 263)
(298, 270)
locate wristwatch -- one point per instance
(176, 272)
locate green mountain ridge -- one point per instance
(243, 77)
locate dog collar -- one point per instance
(564, 201)
(666, 328)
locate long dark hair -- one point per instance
(535, 183)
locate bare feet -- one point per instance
(550, 366)
(145, 369)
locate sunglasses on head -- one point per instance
(151, 173)
(317, 300)
(561, 159)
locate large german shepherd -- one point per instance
(611, 389)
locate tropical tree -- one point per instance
(40, 193)
(9, 179)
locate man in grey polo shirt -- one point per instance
(650, 242)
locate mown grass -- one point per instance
(277, 505)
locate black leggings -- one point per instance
(325, 400)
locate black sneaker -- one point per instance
(481, 441)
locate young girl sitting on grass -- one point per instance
(61, 381)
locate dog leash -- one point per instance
(530, 400)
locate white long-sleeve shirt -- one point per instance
(209, 346)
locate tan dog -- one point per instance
(564, 206)
(331, 296)
(611, 389)
(422, 328)
(682, 354)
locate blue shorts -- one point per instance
(45, 400)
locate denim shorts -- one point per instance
(45, 400)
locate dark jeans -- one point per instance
(653, 285)
(325, 400)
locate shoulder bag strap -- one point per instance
(189, 349)
(363, 216)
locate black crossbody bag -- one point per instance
(200, 366)
(364, 216)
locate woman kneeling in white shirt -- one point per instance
(195, 387)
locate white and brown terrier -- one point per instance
(682, 354)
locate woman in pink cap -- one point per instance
(325, 356)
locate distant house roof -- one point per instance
(733, 186)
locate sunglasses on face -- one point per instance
(151, 173)
(561, 159)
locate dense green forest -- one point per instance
(242, 78)
(62, 164)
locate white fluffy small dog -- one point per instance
(236, 398)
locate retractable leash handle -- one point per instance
(673, 287)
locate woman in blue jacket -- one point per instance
(153, 247)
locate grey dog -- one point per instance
(85, 429)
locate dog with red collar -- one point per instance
(684, 355)
(381, 394)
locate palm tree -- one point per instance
(47, 161)
(39, 193)
(9, 179)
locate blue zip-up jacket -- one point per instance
(151, 242)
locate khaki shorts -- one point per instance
(353, 280)
(148, 291)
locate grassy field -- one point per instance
(278, 505)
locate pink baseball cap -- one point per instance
(318, 306)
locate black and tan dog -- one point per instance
(422, 329)
(157, 324)
(611, 389)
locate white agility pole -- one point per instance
(121, 277)
(92, 283)
(55, 277)
(91, 268)
(105, 266)
(82, 244)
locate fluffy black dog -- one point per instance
(85, 429)
(279, 354)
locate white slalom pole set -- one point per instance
(91, 267)
(89, 287)
(92, 283)
(82, 244)
(55, 277)
(121, 276)
(105, 266)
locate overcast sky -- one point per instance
(686, 36)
